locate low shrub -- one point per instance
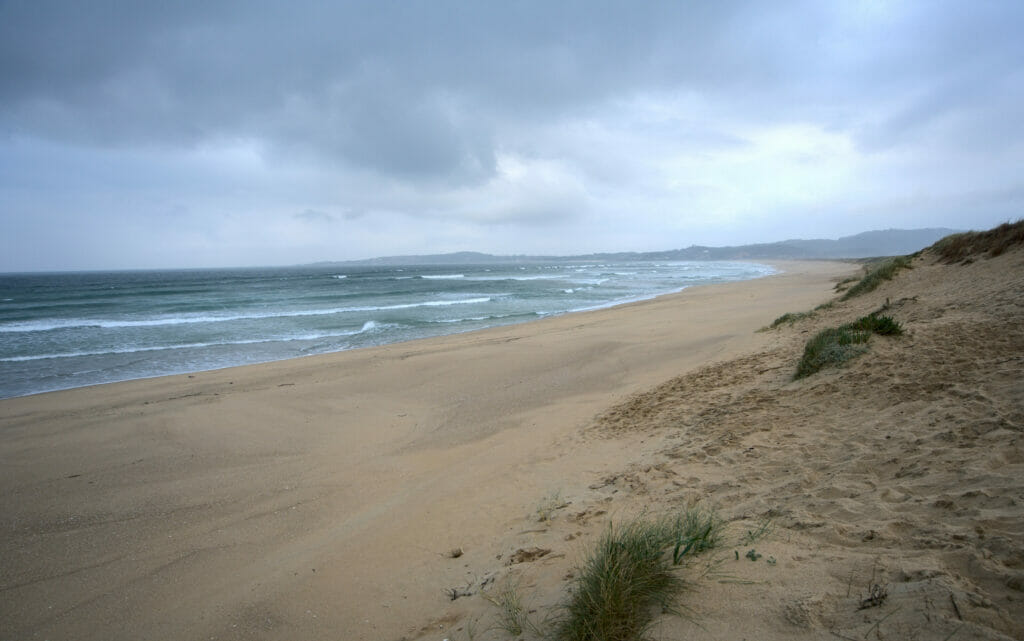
(837, 345)
(875, 324)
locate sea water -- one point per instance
(66, 330)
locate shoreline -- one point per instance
(168, 364)
(541, 316)
(241, 502)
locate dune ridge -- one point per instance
(903, 469)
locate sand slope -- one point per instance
(903, 469)
(321, 498)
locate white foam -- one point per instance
(367, 326)
(524, 278)
(430, 303)
(72, 323)
(473, 318)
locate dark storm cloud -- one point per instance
(413, 89)
(393, 87)
(420, 89)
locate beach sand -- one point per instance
(322, 498)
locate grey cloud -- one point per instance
(637, 115)
(424, 89)
(221, 59)
(410, 89)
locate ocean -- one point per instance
(64, 330)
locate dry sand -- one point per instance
(320, 498)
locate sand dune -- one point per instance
(903, 469)
(322, 498)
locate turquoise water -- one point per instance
(59, 331)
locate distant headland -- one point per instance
(888, 242)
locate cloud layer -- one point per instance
(173, 134)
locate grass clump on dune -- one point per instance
(957, 247)
(885, 271)
(632, 572)
(830, 347)
(875, 324)
(790, 317)
(845, 283)
(512, 614)
(837, 345)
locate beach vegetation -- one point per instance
(470, 627)
(959, 247)
(548, 505)
(845, 283)
(789, 318)
(883, 271)
(513, 616)
(792, 317)
(837, 345)
(875, 324)
(830, 347)
(632, 574)
(763, 529)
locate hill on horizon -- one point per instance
(887, 242)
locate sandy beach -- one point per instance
(321, 498)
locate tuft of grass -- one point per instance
(471, 628)
(512, 615)
(694, 531)
(763, 529)
(790, 317)
(548, 505)
(830, 347)
(843, 284)
(631, 573)
(837, 345)
(884, 271)
(957, 247)
(875, 324)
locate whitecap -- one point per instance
(73, 323)
(367, 326)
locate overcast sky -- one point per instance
(177, 134)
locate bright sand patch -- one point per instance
(319, 498)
